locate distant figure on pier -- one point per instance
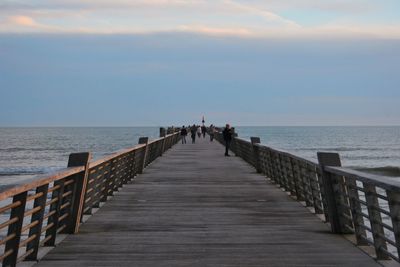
(184, 134)
(199, 131)
(211, 132)
(204, 130)
(227, 134)
(193, 131)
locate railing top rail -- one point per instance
(114, 155)
(306, 161)
(373, 179)
(124, 151)
(13, 189)
(26, 185)
(376, 180)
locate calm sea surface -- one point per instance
(372, 149)
(25, 152)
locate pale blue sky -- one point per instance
(117, 63)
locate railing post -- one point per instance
(394, 206)
(256, 153)
(12, 245)
(78, 201)
(144, 140)
(162, 134)
(356, 211)
(37, 216)
(375, 219)
(333, 160)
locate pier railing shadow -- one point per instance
(364, 205)
(41, 209)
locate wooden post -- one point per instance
(331, 159)
(37, 216)
(144, 140)
(163, 145)
(296, 174)
(394, 206)
(78, 200)
(256, 153)
(15, 228)
(375, 219)
(163, 132)
(55, 207)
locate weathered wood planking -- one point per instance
(195, 207)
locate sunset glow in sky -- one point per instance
(281, 18)
(253, 62)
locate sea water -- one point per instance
(371, 149)
(27, 152)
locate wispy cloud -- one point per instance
(239, 18)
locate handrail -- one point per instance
(352, 202)
(42, 208)
(14, 189)
(373, 179)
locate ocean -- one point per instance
(27, 152)
(372, 149)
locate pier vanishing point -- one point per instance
(163, 203)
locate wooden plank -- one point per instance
(195, 207)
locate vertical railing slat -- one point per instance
(15, 228)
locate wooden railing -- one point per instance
(353, 202)
(39, 210)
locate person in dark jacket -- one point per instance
(204, 131)
(193, 131)
(184, 134)
(211, 132)
(227, 134)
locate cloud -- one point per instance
(270, 16)
(23, 21)
(252, 18)
(216, 31)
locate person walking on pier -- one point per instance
(211, 132)
(184, 134)
(199, 131)
(193, 131)
(227, 134)
(204, 130)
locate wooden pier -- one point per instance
(163, 203)
(195, 207)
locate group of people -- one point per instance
(197, 130)
(202, 130)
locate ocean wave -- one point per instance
(24, 149)
(345, 149)
(391, 171)
(26, 171)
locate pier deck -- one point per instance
(195, 207)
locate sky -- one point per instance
(160, 62)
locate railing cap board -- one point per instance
(282, 152)
(376, 180)
(26, 185)
(114, 155)
(123, 151)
